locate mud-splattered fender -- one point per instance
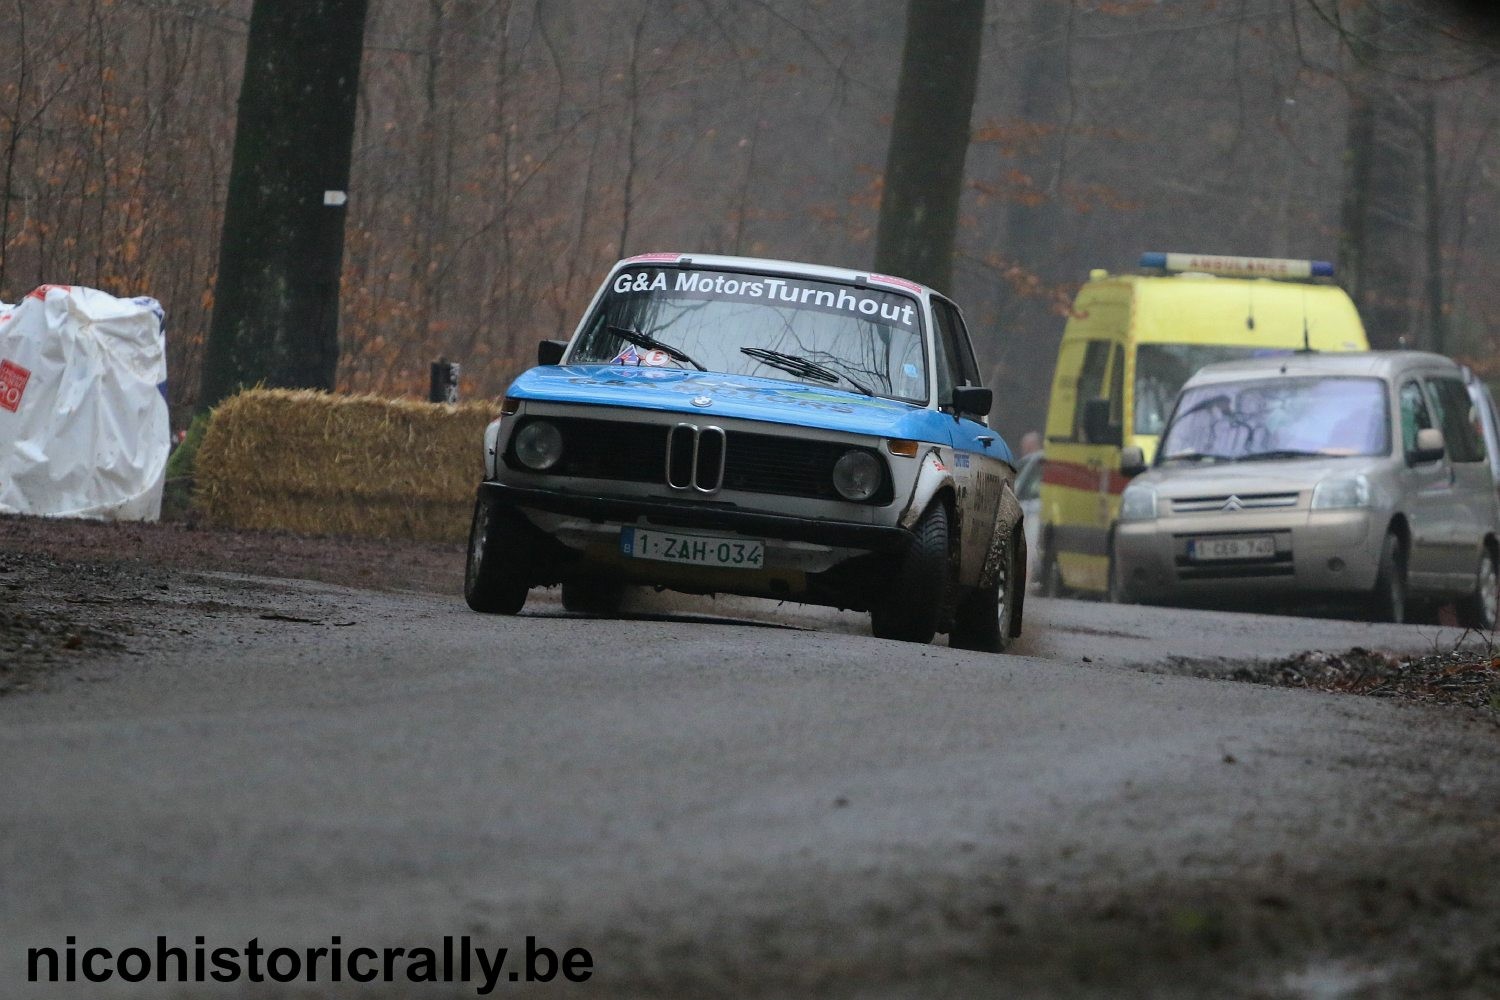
(1008, 529)
(932, 477)
(491, 460)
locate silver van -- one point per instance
(1334, 475)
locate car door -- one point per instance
(1469, 475)
(1083, 469)
(1427, 491)
(981, 459)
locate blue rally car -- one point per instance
(757, 427)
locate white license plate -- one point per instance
(1207, 549)
(693, 550)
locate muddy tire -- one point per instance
(1388, 600)
(918, 597)
(593, 597)
(985, 617)
(1479, 609)
(497, 574)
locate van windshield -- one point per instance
(795, 329)
(1161, 370)
(1279, 418)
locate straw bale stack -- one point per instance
(315, 463)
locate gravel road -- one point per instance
(729, 798)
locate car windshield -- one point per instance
(1161, 370)
(796, 329)
(1279, 418)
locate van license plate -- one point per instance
(693, 550)
(1210, 549)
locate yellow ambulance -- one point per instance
(1130, 342)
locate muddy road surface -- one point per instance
(719, 798)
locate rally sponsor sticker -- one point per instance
(876, 305)
(13, 379)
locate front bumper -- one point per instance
(809, 559)
(1323, 552)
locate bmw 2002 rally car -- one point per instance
(757, 427)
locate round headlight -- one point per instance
(857, 475)
(539, 445)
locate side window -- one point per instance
(1414, 416)
(1090, 381)
(950, 370)
(964, 346)
(1455, 414)
(942, 357)
(1117, 387)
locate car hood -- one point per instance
(741, 396)
(1288, 476)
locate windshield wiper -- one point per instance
(801, 366)
(1196, 456)
(651, 343)
(1281, 453)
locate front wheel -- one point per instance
(985, 619)
(913, 608)
(496, 576)
(1388, 599)
(1479, 609)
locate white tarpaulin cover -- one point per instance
(84, 430)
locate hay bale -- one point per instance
(317, 463)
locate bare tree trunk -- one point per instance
(929, 140)
(632, 129)
(1382, 177)
(13, 136)
(1437, 331)
(275, 315)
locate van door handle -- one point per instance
(986, 439)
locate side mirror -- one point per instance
(973, 399)
(1429, 447)
(550, 352)
(1132, 461)
(1096, 426)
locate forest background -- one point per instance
(507, 151)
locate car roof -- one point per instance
(767, 265)
(1380, 364)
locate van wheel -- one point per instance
(496, 576)
(1119, 590)
(917, 598)
(593, 597)
(985, 616)
(1052, 584)
(1388, 599)
(1479, 609)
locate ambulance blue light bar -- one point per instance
(1238, 267)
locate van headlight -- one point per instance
(1341, 493)
(1138, 504)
